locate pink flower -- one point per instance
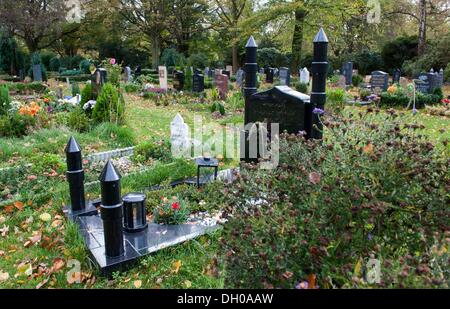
(112, 61)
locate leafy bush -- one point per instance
(15, 125)
(188, 79)
(70, 62)
(396, 52)
(397, 98)
(357, 80)
(271, 57)
(367, 62)
(373, 189)
(5, 100)
(335, 99)
(78, 120)
(86, 94)
(132, 87)
(85, 66)
(364, 93)
(198, 60)
(447, 73)
(75, 89)
(54, 64)
(46, 57)
(301, 87)
(69, 73)
(110, 105)
(155, 149)
(171, 58)
(217, 107)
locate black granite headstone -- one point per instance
(269, 75)
(347, 71)
(379, 80)
(281, 105)
(423, 85)
(198, 82)
(396, 76)
(178, 80)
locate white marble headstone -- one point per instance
(179, 137)
(304, 76)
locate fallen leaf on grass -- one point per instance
(188, 284)
(137, 284)
(42, 283)
(368, 149)
(56, 223)
(314, 178)
(4, 230)
(32, 177)
(24, 269)
(19, 205)
(2, 220)
(3, 276)
(58, 264)
(176, 266)
(74, 277)
(9, 209)
(2, 253)
(288, 274)
(45, 217)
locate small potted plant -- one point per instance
(171, 211)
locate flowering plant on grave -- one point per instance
(171, 211)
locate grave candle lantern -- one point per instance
(208, 163)
(134, 211)
(112, 210)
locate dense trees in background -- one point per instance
(408, 34)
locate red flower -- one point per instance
(176, 206)
(446, 101)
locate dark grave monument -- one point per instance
(37, 73)
(441, 77)
(114, 228)
(21, 74)
(379, 79)
(292, 111)
(396, 76)
(285, 76)
(423, 83)
(269, 75)
(198, 82)
(347, 71)
(178, 80)
(98, 79)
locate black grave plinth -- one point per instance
(155, 237)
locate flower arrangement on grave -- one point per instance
(171, 211)
(392, 89)
(31, 110)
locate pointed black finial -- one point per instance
(109, 173)
(321, 37)
(72, 146)
(251, 43)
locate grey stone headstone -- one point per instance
(37, 73)
(379, 80)
(285, 76)
(441, 77)
(347, 71)
(396, 76)
(240, 77)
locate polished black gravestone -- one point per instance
(198, 82)
(347, 71)
(379, 80)
(178, 80)
(282, 105)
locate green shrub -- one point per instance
(85, 66)
(396, 52)
(110, 106)
(217, 107)
(447, 73)
(235, 101)
(55, 64)
(132, 88)
(364, 93)
(75, 89)
(154, 149)
(301, 87)
(188, 79)
(46, 57)
(5, 100)
(198, 60)
(373, 189)
(357, 80)
(15, 125)
(78, 120)
(335, 99)
(86, 94)
(397, 98)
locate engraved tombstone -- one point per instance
(285, 76)
(379, 80)
(162, 71)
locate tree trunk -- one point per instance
(155, 52)
(235, 56)
(422, 27)
(297, 39)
